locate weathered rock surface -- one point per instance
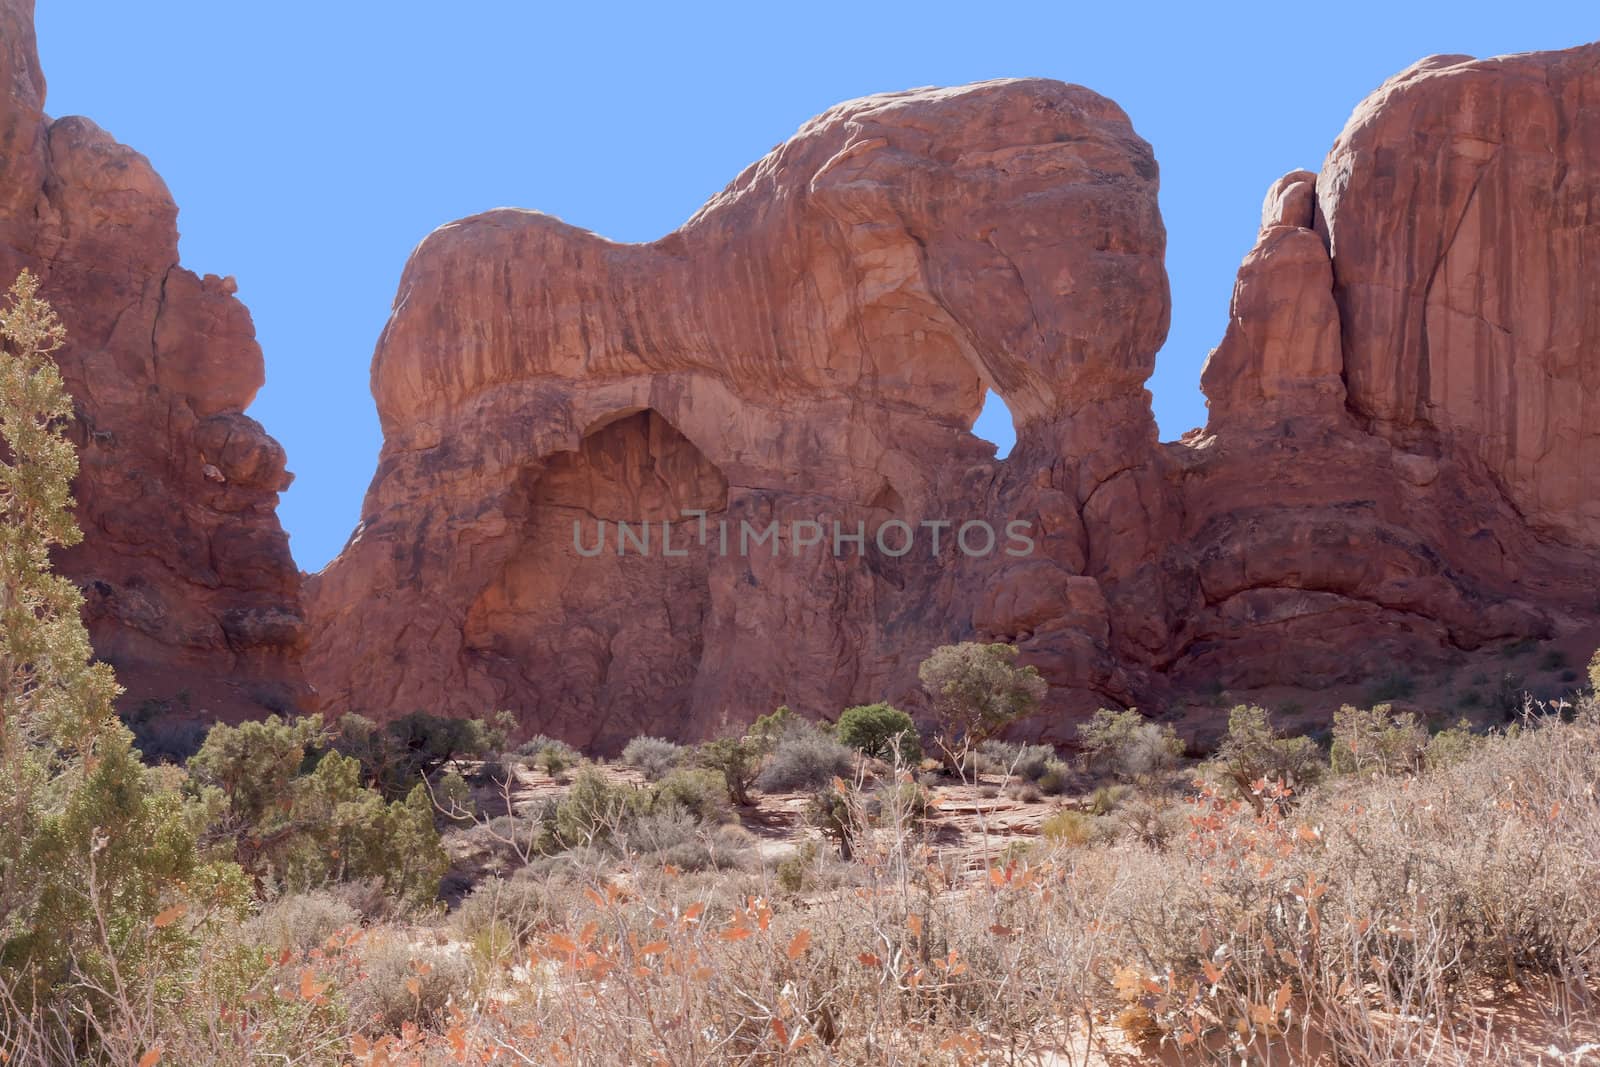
(1399, 466)
(1403, 457)
(187, 573)
(813, 345)
(1399, 463)
(1462, 208)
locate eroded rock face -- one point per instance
(1398, 464)
(1402, 458)
(1462, 208)
(812, 346)
(187, 573)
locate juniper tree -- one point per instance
(87, 848)
(976, 689)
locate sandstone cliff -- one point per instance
(1399, 463)
(190, 586)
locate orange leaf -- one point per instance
(310, 988)
(1281, 1001)
(595, 898)
(151, 1058)
(867, 959)
(914, 924)
(1213, 972)
(799, 944)
(735, 933)
(780, 1031)
(413, 987)
(1001, 930)
(654, 948)
(167, 918)
(586, 935)
(694, 912)
(561, 944)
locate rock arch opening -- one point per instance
(594, 625)
(995, 424)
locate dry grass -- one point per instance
(1446, 917)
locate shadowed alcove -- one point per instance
(548, 626)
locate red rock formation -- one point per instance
(813, 345)
(1460, 206)
(189, 581)
(1399, 463)
(1403, 454)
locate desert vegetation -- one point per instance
(879, 889)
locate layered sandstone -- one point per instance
(190, 588)
(1402, 458)
(813, 345)
(1398, 464)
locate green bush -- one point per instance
(879, 730)
(299, 818)
(91, 846)
(1127, 745)
(595, 808)
(1254, 751)
(395, 756)
(1377, 741)
(737, 760)
(976, 689)
(699, 792)
(1451, 745)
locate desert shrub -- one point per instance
(1108, 798)
(402, 983)
(1377, 741)
(499, 916)
(1254, 751)
(1150, 821)
(453, 797)
(397, 755)
(794, 870)
(595, 808)
(902, 803)
(654, 757)
(672, 835)
(976, 689)
(1027, 762)
(1129, 746)
(299, 818)
(1450, 745)
(1056, 779)
(879, 731)
(693, 790)
(550, 754)
(737, 760)
(837, 810)
(1023, 791)
(804, 758)
(300, 922)
(1594, 672)
(1068, 827)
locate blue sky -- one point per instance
(310, 146)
